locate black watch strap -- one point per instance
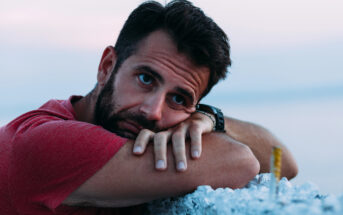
(218, 114)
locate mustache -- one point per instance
(136, 118)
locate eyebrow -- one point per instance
(152, 72)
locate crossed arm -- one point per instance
(227, 160)
(128, 180)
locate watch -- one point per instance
(218, 114)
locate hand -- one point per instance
(193, 127)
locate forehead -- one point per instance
(159, 51)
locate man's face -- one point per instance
(155, 88)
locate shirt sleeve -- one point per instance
(52, 158)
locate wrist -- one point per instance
(217, 113)
(210, 116)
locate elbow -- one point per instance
(289, 165)
(250, 165)
(293, 172)
(247, 167)
(290, 170)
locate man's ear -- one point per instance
(106, 66)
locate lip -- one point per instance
(131, 126)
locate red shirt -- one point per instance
(45, 155)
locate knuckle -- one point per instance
(181, 127)
(179, 148)
(196, 125)
(196, 128)
(177, 136)
(143, 137)
(196, 144)
(139, 143)
(178, 154)
(159, 144)
(181, 124)
(159, 152)
(146, 131)
(159, 137)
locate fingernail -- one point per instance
(181, 165)
(137, 149)
(160, 164)
(195, 153)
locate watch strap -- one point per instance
(218, 114)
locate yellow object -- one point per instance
(275, 170)
(277, 153)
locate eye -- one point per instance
(178, 100)
(145, 79)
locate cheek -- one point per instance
(126, 96)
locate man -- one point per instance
(109, 149)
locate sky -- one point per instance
(287, 71)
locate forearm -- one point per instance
(261, 142)
(128, 180)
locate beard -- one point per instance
(105, 113)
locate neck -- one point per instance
(85, 107)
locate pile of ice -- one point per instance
(254, 199)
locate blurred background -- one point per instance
(287, 71)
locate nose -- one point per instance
(152, 107)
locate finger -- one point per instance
(208, 119)
(195, 133)
(160, 149)
(179, 148)
(142, 140)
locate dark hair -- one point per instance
(194, 34)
